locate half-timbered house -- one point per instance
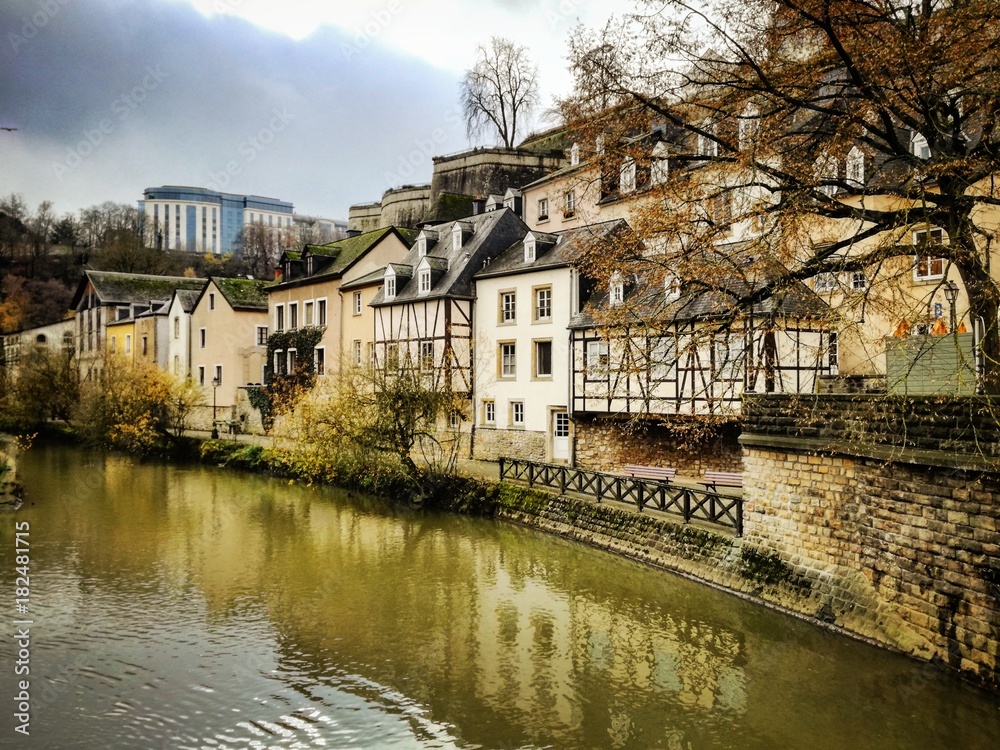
(424, 310)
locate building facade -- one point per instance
(206, 221)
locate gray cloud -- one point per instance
(112, 96)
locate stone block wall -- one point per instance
(491, 444)
(897, 531)
(607, 445)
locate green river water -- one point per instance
(190, 607)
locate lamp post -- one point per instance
(951, 294)
(215, 429)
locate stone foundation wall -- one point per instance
(491, 444)
(607, 445)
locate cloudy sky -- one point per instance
(323, 104)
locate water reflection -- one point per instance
(186, 607)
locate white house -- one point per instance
(525, 300)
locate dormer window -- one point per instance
(421, 246)
(919, 146)
(856, 167)
(659, 169)
(390, 287)
(617, 290)
(530, 249)
(574, 155)
(456, 237)
(672, 287)
(425, 281)
(627, 183)
(827, 172)
(310, 265)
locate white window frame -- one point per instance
(826, 282)
(507, 353)
(919, 146)
(389, 287)
(543, 303)
(672, 288)
(322, 308)
(357, 303)
(319, 360)
(598, 356)
(425, 281)
(257, 340)
(616, 291)
(574, 154)
(201, 375)
(279, 317)
(489, 412)
(930, 261)
(855, 167)
(543, 209)
(659, 168)
(426, 359)
(202, 338)
(293, 316)
(516, 413)
(309, 313)
(128, 343)
(356, 352)
(569, 205)
(218, 374)
(537, 373)
(508, 307)
(626, 176)
(456, 238)
(530, 249)
(708, 146)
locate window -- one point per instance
(707, 145)
(574, 155)
(569, 204)
(392, 355)
(177, 364)
(543, 209)
(489, 412)
(599, 144)
(177, 328)
(508, 360)
(128, 343)
(112, 344)
(426, 356)
(859, 281)
(919, 146)
(827, 170)
(508, 307)
(203, 335)
(455, 419)
(825, 282)
(293, 315)
(356, 352)
(517, 414)
(456, 237)
(722, 211)
(421, 246)
(261, 335)
(597, 356)
(319, 360)
(662, 358)
(279, 360)
(218, 375)
(659, 168)
(627, 175)
(856, 167)
(309, 313)
(279, 318)
(833, 352)
(390, 287)
(321, 312)
(543, 303)
(543, 359)
(749, 126)
(211, 301)
(356, 305)
(723, 358)
(290, 360)
(530, 249)
(425, 281)
(369, 352)
(145, 345)
(617, 291)
(201, 375)
(927, 267)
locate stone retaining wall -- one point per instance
(491, 444)
(607, 445)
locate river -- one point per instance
(192, 607)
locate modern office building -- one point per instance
(206, 221)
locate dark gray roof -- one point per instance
(701, 301)
(493, 233)
(374, 277)
(187, 298)
(552, 251)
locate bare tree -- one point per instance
(263, 245)
(848, 144)
(500, 91)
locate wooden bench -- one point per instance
(659, 473)
(715, 479)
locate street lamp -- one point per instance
(951, 294)
(215, 428)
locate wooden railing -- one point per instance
(687, 502)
